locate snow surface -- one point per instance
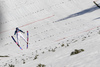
(56, 28)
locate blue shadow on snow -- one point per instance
(79, 13)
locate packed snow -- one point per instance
(62, 33)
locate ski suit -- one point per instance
(18, 35)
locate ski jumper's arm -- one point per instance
(21, 31)
(15, 32)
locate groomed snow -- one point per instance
(56, 28)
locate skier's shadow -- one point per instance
(96, 18)
(80, 13)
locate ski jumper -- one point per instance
(18, 35)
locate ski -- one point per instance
(27, 38)
(16, 42)
(96, 4)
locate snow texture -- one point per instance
(56, 29)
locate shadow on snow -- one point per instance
(96, 18)
(80, 13)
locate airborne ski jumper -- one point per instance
(19, 35)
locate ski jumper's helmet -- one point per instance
(16, 28)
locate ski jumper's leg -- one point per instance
(23, 37)
(18, 38)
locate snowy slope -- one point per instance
(51, 24)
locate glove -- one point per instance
(24, 32)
